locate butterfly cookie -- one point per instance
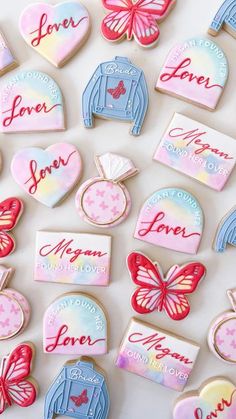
(158, 292)
(10, 212)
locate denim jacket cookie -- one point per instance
(117, 90)
(79, 391)
(226, 18)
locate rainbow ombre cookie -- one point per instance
(215, 399)
(31, 101)
(55, 31)
(195, 70)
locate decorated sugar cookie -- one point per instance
(224, 18)
(31, 101)
(17, 387)
(72, 258)
(75, 324)
(171, 218)
(104, 201)
(79, 390)
(116, 90)
(197, 151)
(216, 398)
(7, 60)
(195, 70)
(222, 333)
(163, 293)
(14, 308)
(158, 355)
(55, 31)
(10, 212)
(226, 232)
(135, 19)
(47, 175)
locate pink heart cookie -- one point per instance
(215, 399)
(31, 101)
(14, 308)
(56, 32)
(47, 175)
(171, 218)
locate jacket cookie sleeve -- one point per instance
(141, 110)
(222, 14)
(88, 97)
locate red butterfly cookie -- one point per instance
(16, 385)
(10, 212)
(135, 18)
(156, 292)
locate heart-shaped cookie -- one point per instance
(31, 101)
(171, 218)
(47, 175)
(215, 399)
(56, 32)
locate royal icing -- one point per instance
(117, 90)
(14, 308)
(10, 212)
(72, 258)
(75, 324)
(135, 19)
(79, 390)
(222, 333)
(163, 293)
(171, 218)
(55, 31)
(195, 70)
(197, 151)
(215, 399)
(47, 175)
(104, 201)
(157, 355)
(7, 60)
(226, 232)
(224, 18)
(31, 101)
(17, 387)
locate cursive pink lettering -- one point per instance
(154, 342)
(154, 226)
(19, 112)
(42, 173)
(61, 339)
(194, 137)
(45, 30)
(63, 247)
(177, 73)
(221, 407)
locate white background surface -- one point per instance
(131, 396)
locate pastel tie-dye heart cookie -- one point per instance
(47, 175)
(31, 101)
(55, 32)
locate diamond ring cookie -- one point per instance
(135, 19)
(79, 390)
(160, 356)
(55, 31)
(117, 90)
(226, 232)
(17, 386)
(198, 151)
(31, 101)
(47, 175)
(14, 308)
(75, 324)
(195, 70)
(171, 218)
(157, 292)
(215, 399)
(104, 201)
(222, 333)
(73, 258)
(224, 18)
